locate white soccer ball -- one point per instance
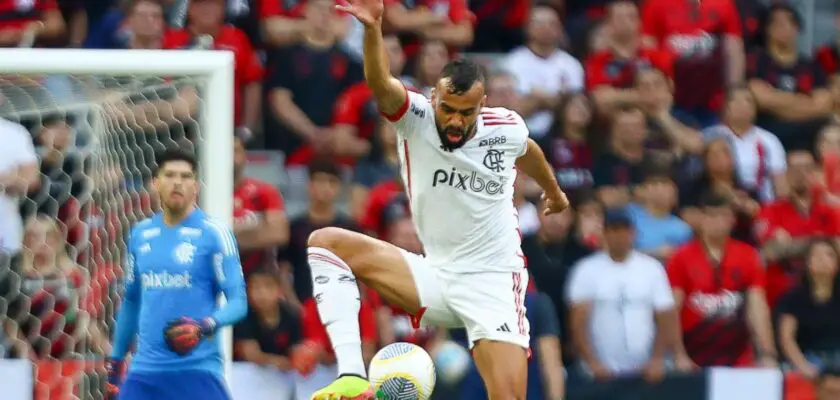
(403, 371)
(452, 361)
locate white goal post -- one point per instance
(215, 71)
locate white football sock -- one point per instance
(337, 297)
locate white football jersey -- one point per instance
(462, 201)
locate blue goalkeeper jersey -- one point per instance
(172, 272)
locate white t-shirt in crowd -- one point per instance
(16, 151)
(462, 199)
(555, 74)
(625, 297)
(755, 168)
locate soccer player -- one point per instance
(178, 262)
(458, 163)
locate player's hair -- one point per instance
(463, 74)
(175, 154)
(324, 166)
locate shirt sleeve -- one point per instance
(544, 316)
(271, 198)
(348, 107)
(228, 273)
(596, 71)
(581, 288)
(128, 317)
(756, 273)
(663, 297)
(415, 112)
(777, 157)
(281, 74)
(576, 76)
(791, 303)
(651, 21)
(249, 67)
(732, 19)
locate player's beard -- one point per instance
(465, 135)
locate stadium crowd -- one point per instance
(698, 133)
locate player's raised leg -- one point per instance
(337, 258)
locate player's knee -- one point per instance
(326, 238)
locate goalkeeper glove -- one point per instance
(184, 334)
(115, 374)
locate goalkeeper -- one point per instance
(178, 262)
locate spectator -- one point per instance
(718, 284)
(382, 166)
(24, 22)
(281, 24)
(790, 89)
(542, 70)
(720, 178)
(760, 155)
(356, 116)
(431, 59)
(51, 289)
(706, 39)
(379, 198)
(139, 25)
(673, 134)
(446, 21)
(499, 24)
(305, 81)
(271, 329)
(809, 332)
(570, 144)
(259, 215)
(621, 167)
(786, 226)
(501, 92)
(62, 165)
(324, 189)
(270, 332)
(610, 73)
(828, 154)
(18, 176)
(621, 307)
(751, 12)
(546, 378)
(74, 13)
(207, 19)
(551, 252)
(658, 231)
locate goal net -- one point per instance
(96, 126)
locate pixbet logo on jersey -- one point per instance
(471, 182)
(165, 280)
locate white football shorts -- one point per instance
(490, 305)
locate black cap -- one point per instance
(617, 217)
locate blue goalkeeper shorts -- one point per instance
(173, 385)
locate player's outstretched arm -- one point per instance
(389, 92)
(534, 164)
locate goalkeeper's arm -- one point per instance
(229, 278)
(129, 312)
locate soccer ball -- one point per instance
(402, 371)
(452, 361)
